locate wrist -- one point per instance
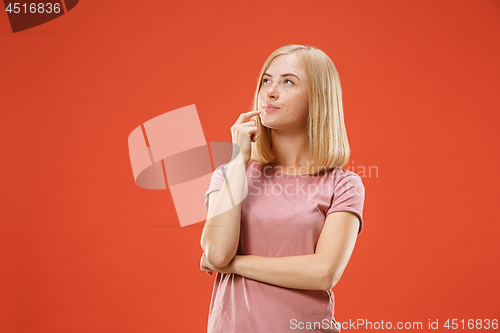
(242, 160)
(245, 160)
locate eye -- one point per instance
(264, 80)
(286, 81)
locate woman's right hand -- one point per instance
(244, 132)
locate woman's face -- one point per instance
(283, 97)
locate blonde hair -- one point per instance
(328, 144)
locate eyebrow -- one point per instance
(283, 75)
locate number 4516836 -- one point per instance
(33, 8)
(471, 324)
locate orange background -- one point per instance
(83, 249)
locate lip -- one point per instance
(270, 108)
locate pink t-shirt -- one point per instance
(282, 215)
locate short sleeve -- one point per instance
(216, 182)
(349, 196)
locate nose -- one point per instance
(272, 92)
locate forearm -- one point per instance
(221, 232)
(297, 272)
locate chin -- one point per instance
(267, 124)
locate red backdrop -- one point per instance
(83, 249)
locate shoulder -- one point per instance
(345, 176)
(220, 167)
(345, 172)
(220, 172)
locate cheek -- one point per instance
(305, 100)
(300, 104)
(260, 98)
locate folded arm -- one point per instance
(319, 271)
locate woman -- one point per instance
(283, 216)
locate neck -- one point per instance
(290, 148)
